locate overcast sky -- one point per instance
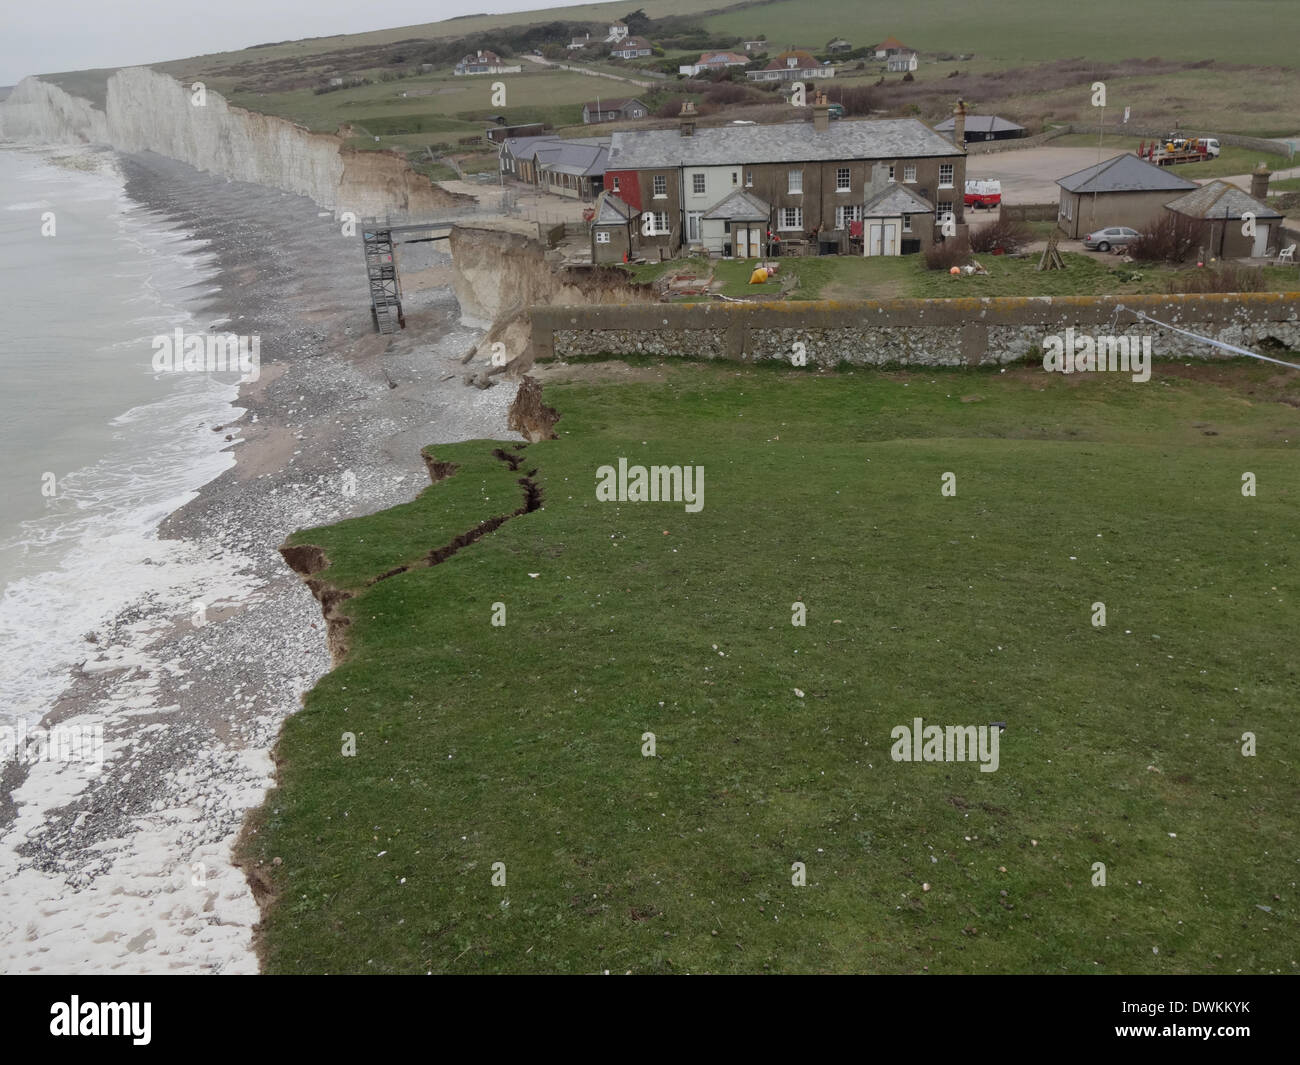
(49, 36)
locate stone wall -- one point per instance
(1030, 212)
(951, 332)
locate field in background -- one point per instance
(522, 744)
(1250, 32)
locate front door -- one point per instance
(742, 242)
(882, 238)
(1261, 242)
(693, 226)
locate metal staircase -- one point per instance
(385, 291)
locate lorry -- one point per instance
(983, 194)
(1175, 148)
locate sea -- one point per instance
(96, 447)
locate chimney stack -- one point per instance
(686, 121)
(1259, 183)
(959, 125)
(821, 111)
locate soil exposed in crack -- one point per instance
(308, 559)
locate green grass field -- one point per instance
(847, 277)
(1250, 32)
(453, 105)
(523, 744)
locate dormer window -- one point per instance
(792, 62)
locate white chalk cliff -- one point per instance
(149, 111)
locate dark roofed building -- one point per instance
(1121, 191)
(737, 226)
(813, 180)
(567, 167)
(614, 109)
(1222, 207)
(984, 128)
(613, 230)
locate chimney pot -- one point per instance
(959, 124)
(1259, 182)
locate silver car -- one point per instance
(1111, 237)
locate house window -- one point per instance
(843, 181)
(907, 223)
(945, 175)
(795, 183)
(846, 213)
(909, 171)
(616, 184)
(660, 185)
(697, 184)
(749, 179)
(791, 218)
(661, 223)
(891, 172)
(602, 236)
(735, 178)
(945, 208)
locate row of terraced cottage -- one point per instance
(871, 187)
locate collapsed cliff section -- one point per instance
(501, 269)
(149, 111)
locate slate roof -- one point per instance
(525, 147)
(740, 206)
(566, 156)
(787, 142)
(612, 104)
(1219, 199)
(980, 124)
(895, 200)
(611, 211)
(1124, 173)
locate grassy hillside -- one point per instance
(523, 744)
(1251, 32)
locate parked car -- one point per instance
(1110, 237)
(835, 110)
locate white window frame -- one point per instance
(891, 171)
(907, 223)
(615, 188)
(794, 182)
(846, 213)
(843, 179)
(944, 207)
(798, 220)
(661, 224)
(909, 173)
(602, 236)
(749, 179)
(951, 169)
(699, 185)
(655, 183)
